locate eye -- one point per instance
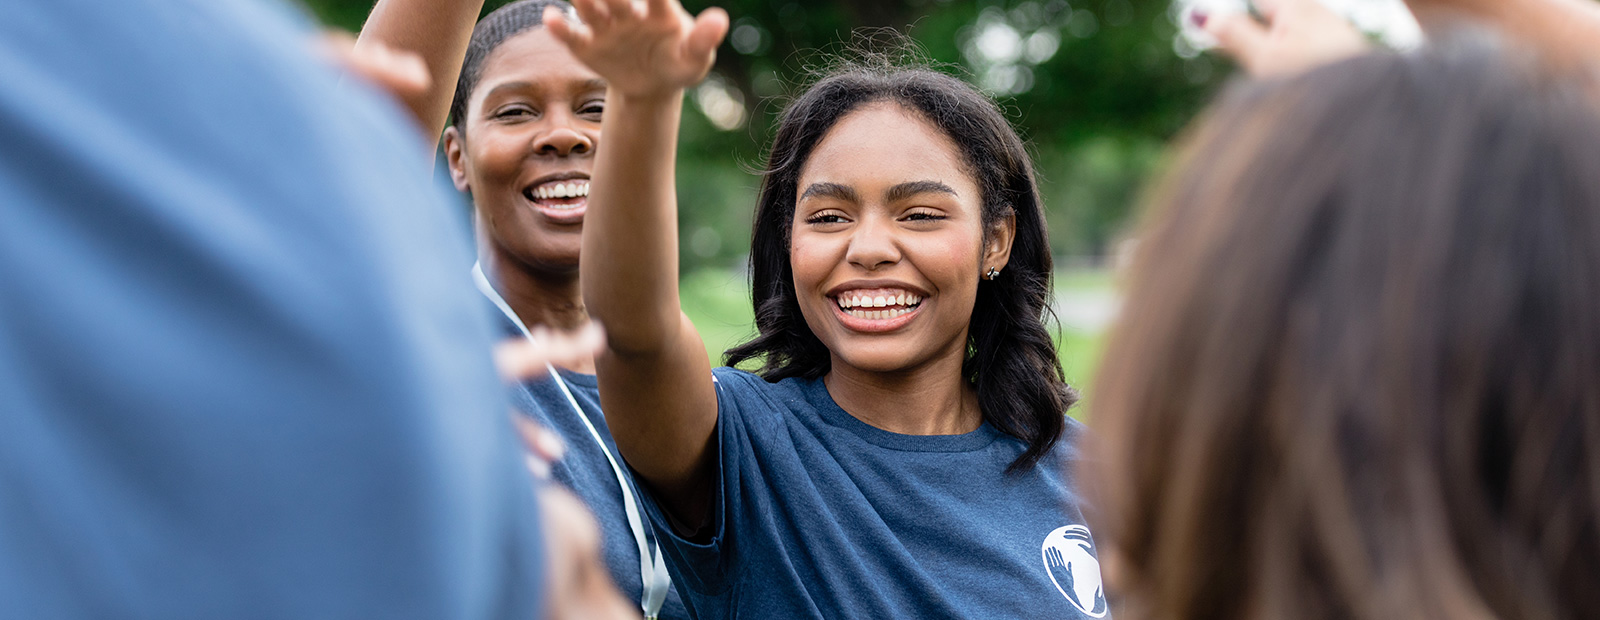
(593, 110)
(925, 215)
(826, 217)
(514, 113)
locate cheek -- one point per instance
(950, 258)
(812, 258)
(494, 157)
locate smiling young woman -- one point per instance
(904, 451)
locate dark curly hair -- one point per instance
(1011, 359)
(492, 31)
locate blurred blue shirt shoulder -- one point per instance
(241, 375)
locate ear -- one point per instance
(997, 242)
(455, 153)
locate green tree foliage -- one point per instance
(1095, 85)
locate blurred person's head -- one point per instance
(907, 187)
(524, 124)
(1358, 369)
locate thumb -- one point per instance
(1240, 37)
(709, 28)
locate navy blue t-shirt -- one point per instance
(240, 373)
(820, 515)
(585, 471)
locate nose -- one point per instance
(562, 138)
(873, 244)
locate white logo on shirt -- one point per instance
(1069, 558)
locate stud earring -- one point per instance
(992, 274)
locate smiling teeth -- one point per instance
(573, 189)
(878, 315)
(896, 303)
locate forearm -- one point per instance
(630, 232)
(436, 30)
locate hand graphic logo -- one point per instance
(1069, 557)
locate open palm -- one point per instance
(643, 49)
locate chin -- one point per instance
(878, 359)
(549, 262)
(551, 250)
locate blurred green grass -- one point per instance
(718, 301)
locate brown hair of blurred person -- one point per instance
(1357, 373)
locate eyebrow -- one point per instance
(831, 190)
(508, 86)
(519, 85)
(907, 190)
(896, 193)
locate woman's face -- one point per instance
(532, 125)
(888, 242)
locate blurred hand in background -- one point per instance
(400, 73)
(580, 587)
(1291, 36)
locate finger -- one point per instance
(707, 33)
(1240, 37)
(540, 441)
(401, 73)
(592, 13)
(1269, 9)
(620, 9)
(520, 360)
(659, 9)
(575, 36)
(569, 348)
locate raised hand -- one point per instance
(1062, 571)
(1297, 35)
(647, 48)
(401, 73)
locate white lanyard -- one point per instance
(652, 568)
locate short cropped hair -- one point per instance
(492, 31)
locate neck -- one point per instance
(934, 399)
(539, 298)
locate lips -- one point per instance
(877, 309)
(562, 200)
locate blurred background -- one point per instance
(1097, 87)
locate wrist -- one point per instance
(643, 98)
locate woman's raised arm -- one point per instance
(435, 30)
(655, 380)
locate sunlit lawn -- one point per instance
(718, 301)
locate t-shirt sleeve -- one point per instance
(708, 562)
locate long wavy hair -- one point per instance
(1358, 371)
(1011, 359)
